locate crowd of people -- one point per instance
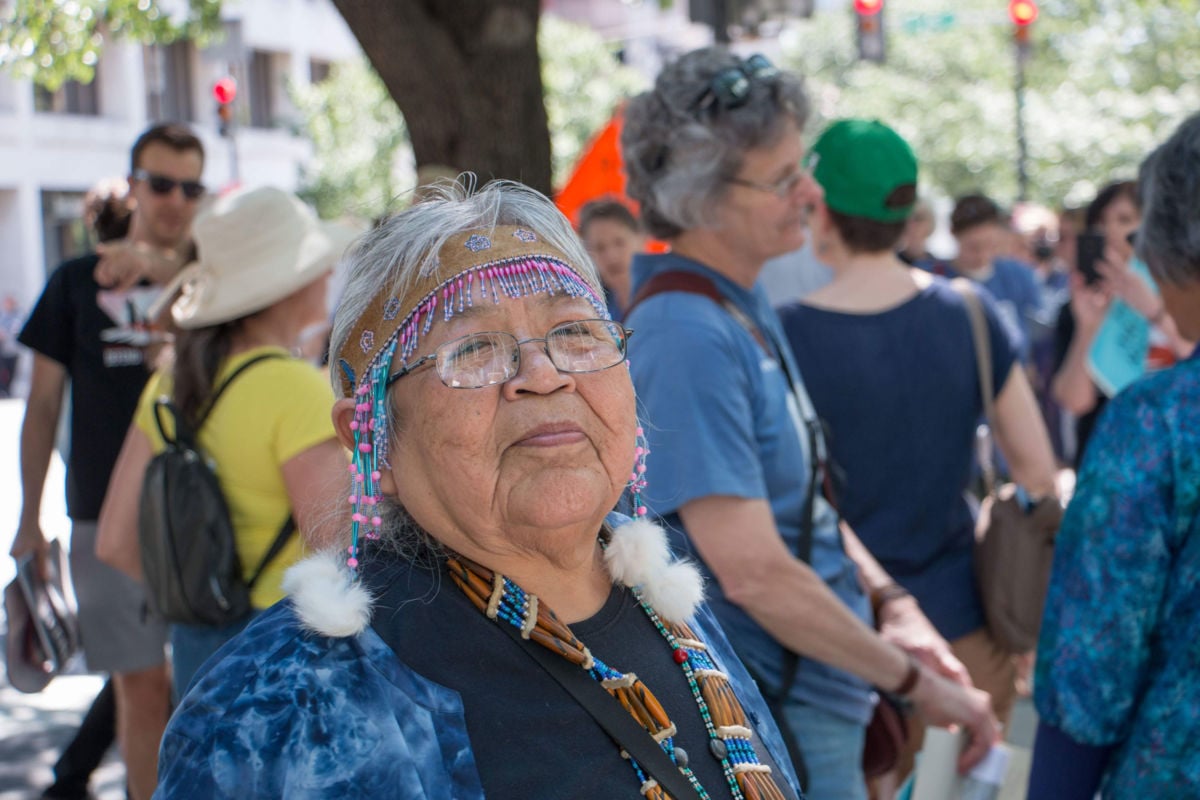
(518, 551)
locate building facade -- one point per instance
(55, 145)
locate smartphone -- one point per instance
(1089, 248)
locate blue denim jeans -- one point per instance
(832, 748)
(191, 646)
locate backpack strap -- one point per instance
(678, 280)
(220, 390)
(281, 539)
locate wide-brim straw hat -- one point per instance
(254, 248)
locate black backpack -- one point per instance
(189, 553)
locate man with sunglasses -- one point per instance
(106, 378)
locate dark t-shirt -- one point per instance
(106, 378)
(1064, 332)
(514, 707)
(900, 393)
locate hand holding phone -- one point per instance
(1089, 248)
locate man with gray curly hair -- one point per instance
(715, 157)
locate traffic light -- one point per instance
(224, 92)
(1022, 13)
(871, 42)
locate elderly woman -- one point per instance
(716, 160)
(1118, 673)
(488, 626)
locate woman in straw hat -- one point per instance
(260, 279)
(489, 626)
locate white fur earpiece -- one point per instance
(326, 597)
(637, 555)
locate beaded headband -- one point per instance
(485, 265)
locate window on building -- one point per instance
(262, 89)
(70, 98)
(64, 232)
(318, 71)
(169, 82)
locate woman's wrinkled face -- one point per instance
(504, 468)
(763, 223)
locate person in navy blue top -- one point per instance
(716, 161)
(887, 355)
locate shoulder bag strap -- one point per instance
(983, 363)
(613, 718)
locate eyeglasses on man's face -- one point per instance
(492, 357)
(730, 87)
(785, 186)
(161, 184)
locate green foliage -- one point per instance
(583, 83)
(361, 159)
(1106, 80)
(51, 41)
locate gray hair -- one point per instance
(392, 258)
(678, 156)
(1169, 184)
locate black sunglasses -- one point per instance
(161, 184)
(730, 87)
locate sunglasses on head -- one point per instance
(161, 184)
(730, 87)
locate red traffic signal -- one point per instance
(868, 8)
(225, 90)
(1022, 12)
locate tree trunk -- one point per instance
(467, 76)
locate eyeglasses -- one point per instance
(492, 357)
(161, 184)
(730, 87)
(787, 184)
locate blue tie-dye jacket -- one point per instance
(289, 713)
(1119, 656)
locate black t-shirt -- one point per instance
(530, 738)
(1064, 332)
(106, 378)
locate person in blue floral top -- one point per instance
(1117, 685)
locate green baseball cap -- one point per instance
(860, 164)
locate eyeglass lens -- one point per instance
(161, 184)
(491, 357)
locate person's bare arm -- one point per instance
(42, 412)
(1021, 436)
(899, 617)
(1072, 386)
(317, 482)
(738, 539)
(117, 541)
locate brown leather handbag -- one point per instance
(1014, 538)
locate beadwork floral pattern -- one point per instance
(477, 242)
(391, 309)
(1119, 658)
(367, 341)
(525, 235)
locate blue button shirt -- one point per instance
(720, 420)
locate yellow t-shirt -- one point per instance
(275, 410)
